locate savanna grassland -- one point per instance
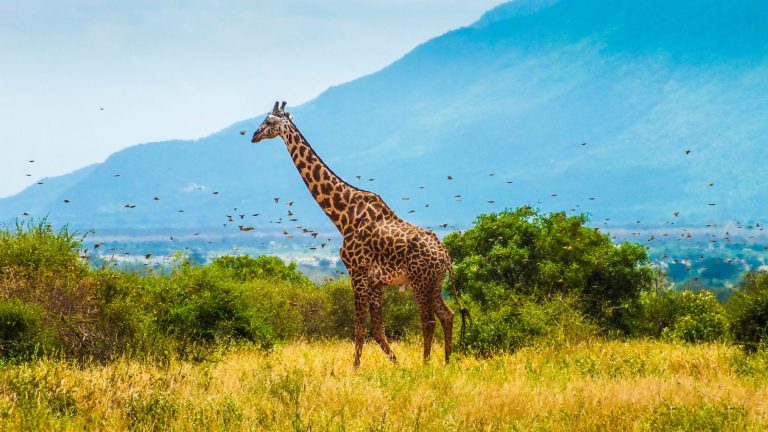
(593, 385)
(568, 331)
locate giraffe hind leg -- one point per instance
(445, 315)
(427, 315)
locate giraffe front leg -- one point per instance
(377, 322)
(359, 286)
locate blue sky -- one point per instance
(163, 69)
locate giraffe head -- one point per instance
(276, 122)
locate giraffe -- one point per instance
(378, 247)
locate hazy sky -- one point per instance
(164, 69)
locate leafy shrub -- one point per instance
(23, 333)
(685, 316)
(655, 312)
(748, 309)
(700, 318)
(521, 321)
(524, 252)
(199, 305)
(245, 268)
(32, 247)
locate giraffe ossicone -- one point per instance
(378, 248)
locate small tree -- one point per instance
(527, 253)
(698, 317)
(748, 309)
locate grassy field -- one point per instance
(599, 385)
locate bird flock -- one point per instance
(737, 243)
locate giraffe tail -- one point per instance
(463, 310)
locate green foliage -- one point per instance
(699, 318)
(524, 252)
(748, 309)
(197, 305)
(655, 312)
(33, 247)
(23, 334)
(529, 279)
(686, 316)
(522, 320)
(245, 268)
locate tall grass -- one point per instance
(597, 385)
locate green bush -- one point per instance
(521, 321)
(655, 312)
(685, 316)
(199, 305)
(700, 318)
(245, 268)
(33, 247)
(530, 254)
(23, 333)
(748, 310)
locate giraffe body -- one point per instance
(378, 249)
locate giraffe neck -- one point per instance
(332, 194)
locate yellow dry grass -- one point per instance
(599, 385)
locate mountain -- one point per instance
(627, 110)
